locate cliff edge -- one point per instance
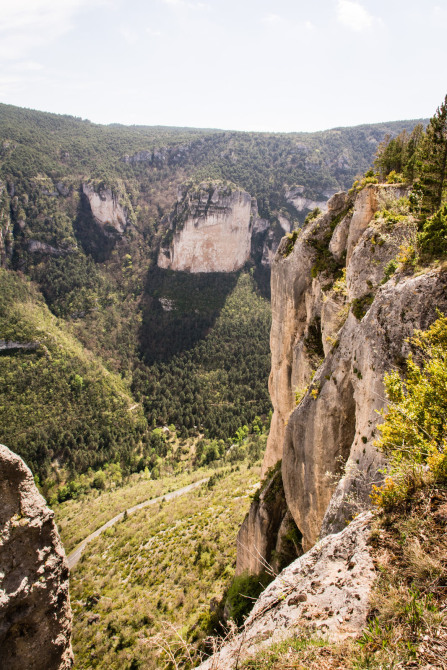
(325, 592)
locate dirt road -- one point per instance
(75, 555)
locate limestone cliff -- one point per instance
(106, 208)
(266, 237)
(210, 229)
(35, 614)
(167, 156)
(269, 533)
(339, 323)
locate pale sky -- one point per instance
(274, 65)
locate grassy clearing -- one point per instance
(408, 620)
(161, 566)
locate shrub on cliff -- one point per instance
(433, 237)
(414, 433)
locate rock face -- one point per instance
(296, 303)
(35, 246)
(210, 230)
(6, 227)
(106, 208)
(9, 345)
(338, 325)
(326, 590)
(35, 614)
(295, 196)
(269, 535)
(175, 155)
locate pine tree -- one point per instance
(398, 154)
(432, 164)
(411, 150)
(390, 154)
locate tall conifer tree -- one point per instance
(432, 164)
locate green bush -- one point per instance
(390, 269)
(433, 237)
(291, 239)
(242, 594)
(414, 432)
(361, 305)
(312, 215)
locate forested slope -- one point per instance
(58, 402)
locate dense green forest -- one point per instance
(188, 350)
(219, 384)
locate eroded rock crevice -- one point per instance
(269, 538)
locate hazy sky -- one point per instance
(279, 65)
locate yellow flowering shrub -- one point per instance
(414, 432)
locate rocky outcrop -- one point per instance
(6, 227)
(296, 303)
(378, 343)
(325, 591)
(35, 246)
(370, 200)
(339, 323)
(10, 346)
(35, 614)
(6, 244)
(296, 197)
(106, 208)
(266, 236)
(175, 155)
(210, 230)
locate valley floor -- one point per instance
(156, 571)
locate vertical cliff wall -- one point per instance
(106, 208)
(339, 323)
(297, 305)
(210, 230)
(35, 614)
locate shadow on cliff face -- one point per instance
(97, 241)
(262, 276)
(269, 537)
(318, 441)
(179, 309)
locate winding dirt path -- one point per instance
(75, 555)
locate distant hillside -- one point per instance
(63, 146)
